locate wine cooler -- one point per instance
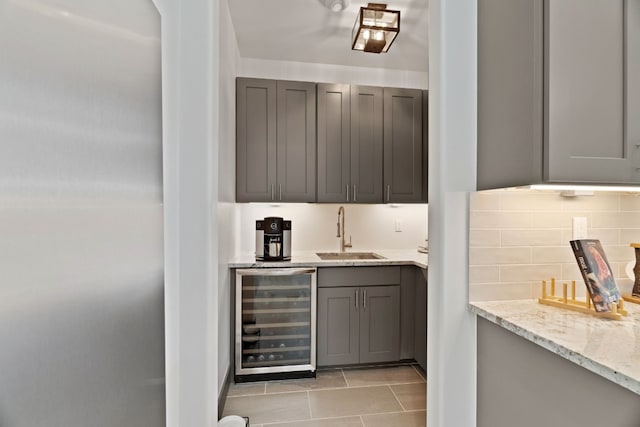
(275, 323)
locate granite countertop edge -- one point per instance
(310, 259)
(513, 322)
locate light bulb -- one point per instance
(379, 35)
(366, 34)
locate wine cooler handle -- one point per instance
(356, 300)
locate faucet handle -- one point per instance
(348, 245)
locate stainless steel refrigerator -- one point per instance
(81, 243)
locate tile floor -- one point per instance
(390, 396)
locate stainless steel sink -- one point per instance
(327, 256)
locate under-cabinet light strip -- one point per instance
(584, 188)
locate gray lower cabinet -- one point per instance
(403, 146)
(275, 141)
(557, 101)
(358, 325)
(349, 143)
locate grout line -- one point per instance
(345, 378)
(309, 405)
(394, 395)
(423, 376)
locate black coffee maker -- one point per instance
(273, 239)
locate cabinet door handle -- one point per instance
(356, 300)
(347, 192)
(280, 190)
(364, 299)
(354, 192)
(272, 192)
(388, 191)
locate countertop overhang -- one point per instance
(609, 348)
(310, 259)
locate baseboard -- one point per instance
(222, 397)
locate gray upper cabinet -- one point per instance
(349, 143)
(558, 92)
(275, 141)
(403, 145)
(255, 140)
(366, 144)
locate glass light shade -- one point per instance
(375, 28)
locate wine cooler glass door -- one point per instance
(275, 320)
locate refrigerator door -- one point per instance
(81, 214)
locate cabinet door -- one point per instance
(333, 143)
(338, 326)
(296, 142)
(425, 146)
(255, 140)
(587, 136)
(366, 144)
(380, 324)
(402, 145)
(420, 328)
(632, 63)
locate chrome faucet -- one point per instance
(341, 230)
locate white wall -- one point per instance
(329, 73)
(451, 338)
(226, 215)
(520, 237)
(190, 93)
(314, 225)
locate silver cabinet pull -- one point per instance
(354, 192)
(280, 190)
(347, 192)
(364, 299)
(273, 191)
(356, 300)
(388, 191)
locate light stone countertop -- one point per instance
(310, 259)
(610, 348)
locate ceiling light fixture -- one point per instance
(375, 29)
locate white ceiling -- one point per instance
(307, 31)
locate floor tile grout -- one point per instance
(309, 404)
(394, 395)
(348, 386)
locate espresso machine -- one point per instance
(273, 239)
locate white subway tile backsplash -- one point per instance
(484, 274)
(597, 202)
(501, 291)
(533, 272)
(540, 237)
(484, 238)
(630, 202)
(607, 236)
(485, 201)
(562, 220)
(526, 240)
(552, 254)
(530, 201)
(500, 220)
(492, 256)
(629, 235)
(625, 219)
